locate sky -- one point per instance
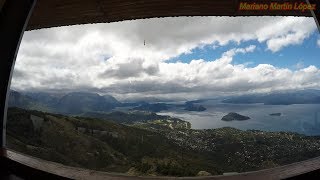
(172, 58)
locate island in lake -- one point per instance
(275, 114)
(194, 107)
(234, 116)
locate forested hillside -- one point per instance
(155, 147)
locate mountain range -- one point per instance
(77, 103)
(278, 98)
(73, 103)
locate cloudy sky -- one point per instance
(185, 57)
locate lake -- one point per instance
(300, 118)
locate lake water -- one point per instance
(301, 118)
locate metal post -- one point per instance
(14, 16)
(316, 13)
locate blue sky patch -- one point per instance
(292, 57)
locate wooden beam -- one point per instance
(53, 13)
(13, 20)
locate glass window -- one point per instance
(187, 96)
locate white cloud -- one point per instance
(112, 58)
(287, 31)
(318, 42)
(299, 65)
(278, 43)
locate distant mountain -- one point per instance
(80, 102)
(194, 107)
(77, 103)
(157, 107)
(49, 99)
(110, 99)
(71, 103)
(279, 98)
(20, 100)
(146, 99)
(198, 101)
(16, 99)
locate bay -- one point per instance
(300, 118)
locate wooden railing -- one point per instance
(281, 172)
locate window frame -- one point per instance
(14, 17)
